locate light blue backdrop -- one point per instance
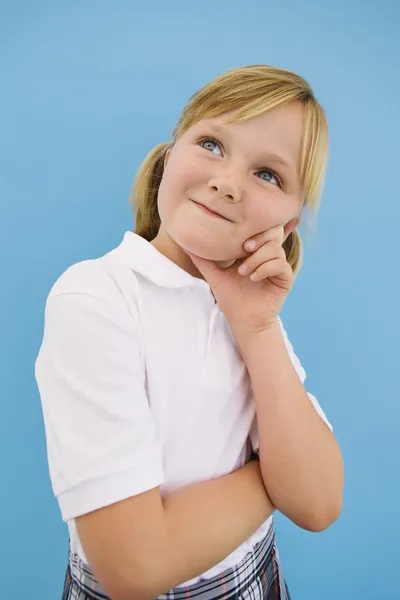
(87, 89)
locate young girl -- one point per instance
(174, 407)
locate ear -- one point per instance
(289, 227)
(166, 157)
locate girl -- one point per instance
(174, 407)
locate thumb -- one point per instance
(210, 271)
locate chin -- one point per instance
(205, 248)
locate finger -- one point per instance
(281, 235)
(274, 268)
(255, 242)
(267, 252)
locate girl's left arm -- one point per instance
(300, 459)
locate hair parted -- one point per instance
(250, 91)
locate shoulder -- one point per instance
(104, 278)
(91, 306)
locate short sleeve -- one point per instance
(253, 435)
(100, 435)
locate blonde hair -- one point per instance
(250, 91)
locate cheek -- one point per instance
(182, 178)
(172, 185)
(168, 192)
(183, 171)
(267, 211)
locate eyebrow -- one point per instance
(271, 157)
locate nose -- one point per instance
(225, 188)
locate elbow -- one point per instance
(319, 520)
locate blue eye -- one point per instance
(270, 177)
(210, 144)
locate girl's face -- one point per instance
(247, 172)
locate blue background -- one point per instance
(88, 88)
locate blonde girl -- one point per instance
(176, 415)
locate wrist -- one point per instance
(249, 341)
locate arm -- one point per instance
(300, 459)
(143, 546)
(106, 460)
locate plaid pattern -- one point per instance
(258, 576)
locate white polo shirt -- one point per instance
(141, 385)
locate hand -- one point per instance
(252, 296)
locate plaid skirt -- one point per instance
(257, 576)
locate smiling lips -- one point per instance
(210, 212)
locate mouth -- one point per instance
(211, 212)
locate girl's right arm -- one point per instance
(104, 451)
(145, 545)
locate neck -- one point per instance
(166, 246)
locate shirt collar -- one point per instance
(143, 258)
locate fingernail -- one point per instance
(242, 269)
(251, 244)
